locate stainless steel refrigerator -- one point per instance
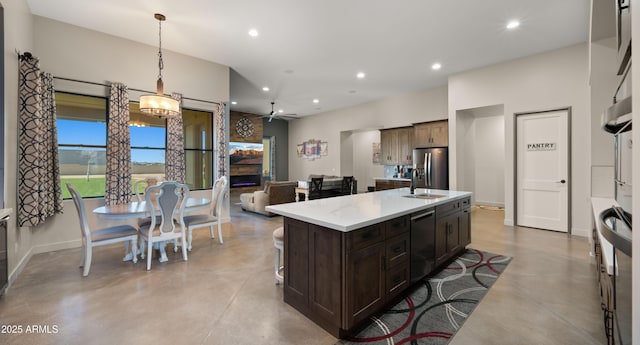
(431, 167)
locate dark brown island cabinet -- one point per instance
(339, 279)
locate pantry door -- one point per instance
(543, 170)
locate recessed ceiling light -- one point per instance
(280, 111)
(360, 75)
(234, 102)
(265, 89)
(436, 66)
(513, 24)
(316, 101)
(253, 33)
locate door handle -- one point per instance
(561, 181)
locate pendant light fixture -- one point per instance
(159, 104)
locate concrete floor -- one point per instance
(225, 294)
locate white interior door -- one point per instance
(542, 151)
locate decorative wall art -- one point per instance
(312, 149)
(376, 153)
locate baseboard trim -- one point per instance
(580, 232)
(18, 269)
(489, 203)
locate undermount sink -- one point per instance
(424, 196)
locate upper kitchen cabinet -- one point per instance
(431, 134)
(396, 146)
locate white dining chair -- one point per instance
(145, 183)
(170, 198)
(100, 237)
(213, 217)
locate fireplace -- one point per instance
(236, 181)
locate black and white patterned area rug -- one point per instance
(436, 308)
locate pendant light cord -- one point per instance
(160, 62)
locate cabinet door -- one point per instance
(296, 258)
(440, 134)
(453, 234)
(325, 273)
(442, 227)
(464, 223)
(421, 135)
(405, 146)
(389, 146)
(365, 283)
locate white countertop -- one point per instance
(598, 205)
(346, 213)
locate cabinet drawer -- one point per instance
(397, 226)
(365, 237)
(397, 251)
(442, 210)
(397, 280)
(452, 206)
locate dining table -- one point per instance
(139, 209)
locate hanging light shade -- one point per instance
(159, 104)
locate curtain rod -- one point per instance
(132, 89)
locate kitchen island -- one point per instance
(348, 257)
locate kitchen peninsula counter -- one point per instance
(346, 258)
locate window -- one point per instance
(148, 144)
(82, 143)
(198, 147)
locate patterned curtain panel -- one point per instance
(118, 169)
(174, 159)
(221, 138)
(39, 194)
(51, 189)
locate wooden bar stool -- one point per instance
(278, 242)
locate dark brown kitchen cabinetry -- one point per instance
(453, 231)
(312, 271)
(377, 267)
(339, 279)
(382, 184)
(396, 146)
(431, 134)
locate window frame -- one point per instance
(210, 152)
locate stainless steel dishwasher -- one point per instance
(423, 240)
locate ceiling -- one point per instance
(310, 50)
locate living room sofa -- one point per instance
(275, 192)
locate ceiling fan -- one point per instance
(274, 113)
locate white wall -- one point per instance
(603, 83)
(346, 154)
(18, 35)
(363, 165)
(466, 155)
(403, 110)
(72, 52)
(545, 81)
(480, 155)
